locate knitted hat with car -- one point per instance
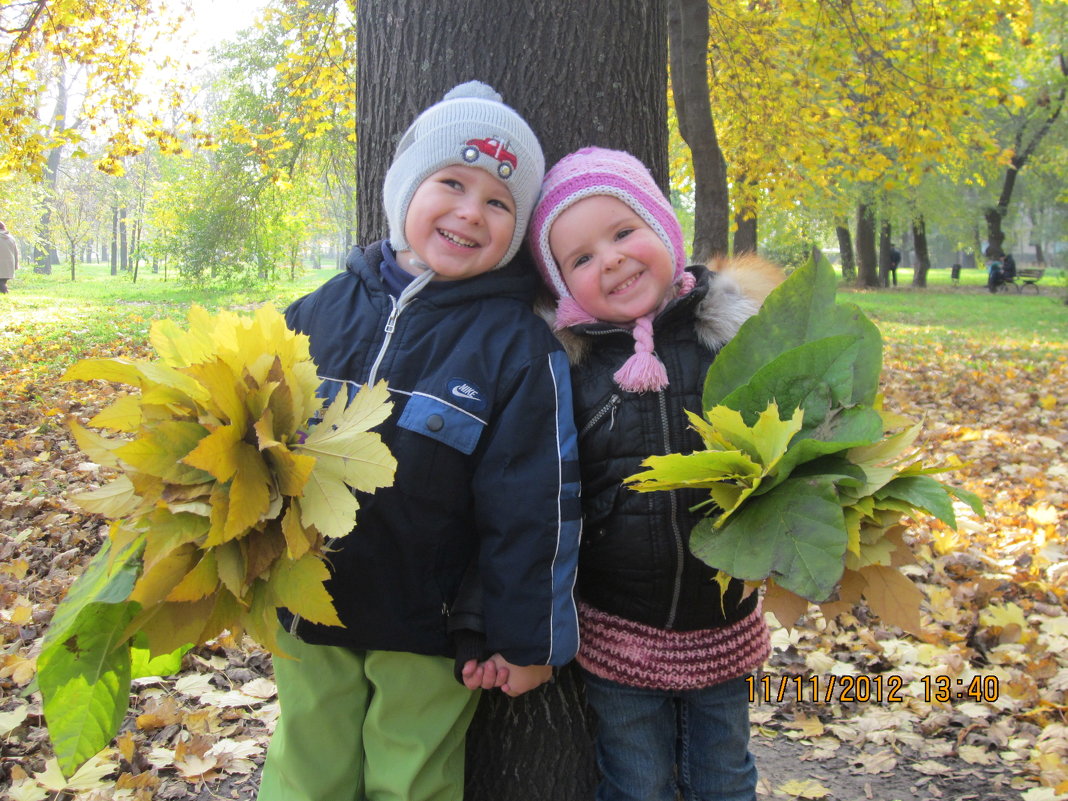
(596, 171)
(470, 126)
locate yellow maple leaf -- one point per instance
(802, 788)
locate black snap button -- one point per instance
(434, 422)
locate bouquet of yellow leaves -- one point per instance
(222, 511)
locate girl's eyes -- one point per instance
(580, 261)
(624, 233)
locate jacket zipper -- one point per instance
(391, 325)
(677, 533)
(610, 406)
(399, 305)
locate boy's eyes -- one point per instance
(458, 186)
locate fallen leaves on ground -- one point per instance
(995, 607)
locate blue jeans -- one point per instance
(653, 744)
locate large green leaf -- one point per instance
(107, 579)
(801, 310)
(814, 377)
(921, 492)
(84, 667)
(85, 684)
(796, 534)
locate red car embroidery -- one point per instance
(493, 148)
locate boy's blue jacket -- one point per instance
(486, 453)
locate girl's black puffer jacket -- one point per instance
(635, 560)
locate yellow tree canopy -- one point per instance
(96, 53)
(849, 95)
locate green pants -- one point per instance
(366, 726)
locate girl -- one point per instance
(664, 650)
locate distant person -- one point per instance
(954, 274)
(995, 277)
(895, 260)
(9, 257)
(1008, 268)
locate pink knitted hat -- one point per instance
(597, 171)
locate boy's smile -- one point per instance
(615, 266)
(460, 222)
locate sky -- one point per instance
(215, 21)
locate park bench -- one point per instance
(1028, 277)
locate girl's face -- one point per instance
(615, 266)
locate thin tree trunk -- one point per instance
(1022, 153)
(114, 240)
(688, 31)
(845, 251)
(124, 251)
(884, 254)
(923, 256)
(868, 273)
(745, 232)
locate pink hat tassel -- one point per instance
(642, 372)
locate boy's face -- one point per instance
(460, 222)
(615, 266)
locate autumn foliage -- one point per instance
(222, 511)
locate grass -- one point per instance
(968, 317)
(63, 319)
(53, 320)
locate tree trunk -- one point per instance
(923, 256)
(845, 251)
(582, 74)
(745, 232)
(1040, 257)
(114, 240)
(124, 251)
(884, 254)
(868, 275)
(44, 255)
(1022, 152)
(688, 32)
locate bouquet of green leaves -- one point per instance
(808, 476)
(221, 513)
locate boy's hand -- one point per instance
(484, 675)
(521, 678)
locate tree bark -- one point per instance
(923, 256)
(884, 253)
(114, 240)
(582, 74)
(845, 251)
(868, 275)
(124, 250)
(745, 232)
(688, 32)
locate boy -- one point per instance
(486, 476)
